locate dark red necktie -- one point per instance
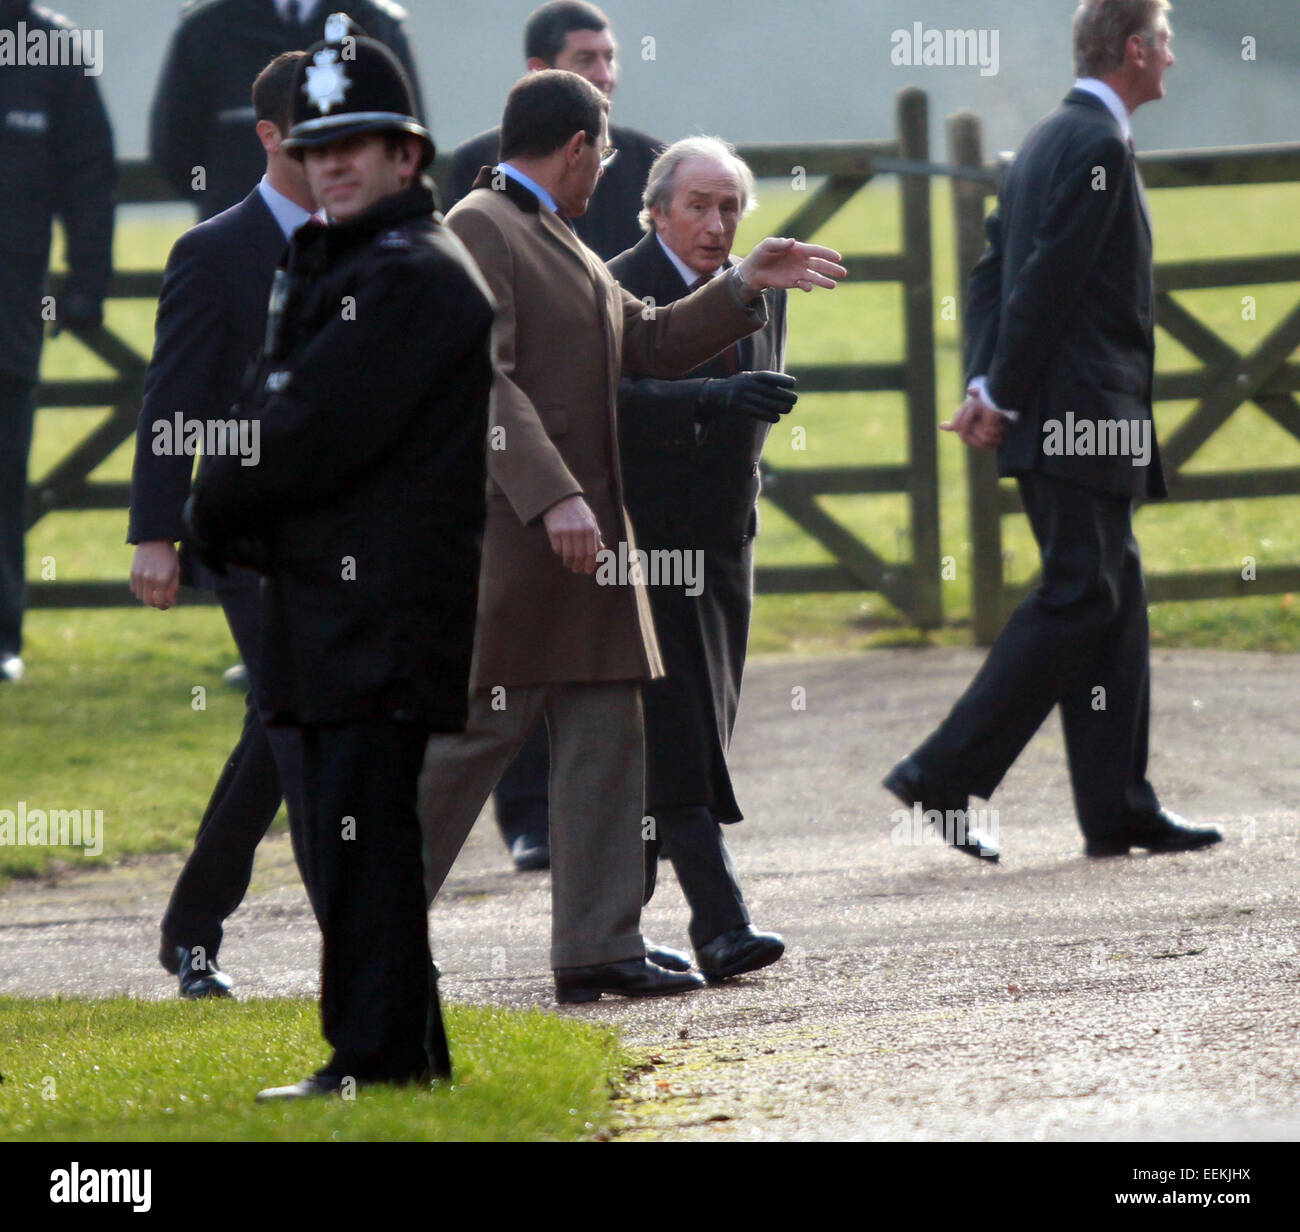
(731, 356)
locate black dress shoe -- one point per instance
(1165, 832)
(196, 982)
(530, 853)
(633, 977)
(908, 782)
(737, 951)
(669, 960)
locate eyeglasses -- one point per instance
(607, 156)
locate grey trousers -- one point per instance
(597, 789)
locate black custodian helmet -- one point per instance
(351, 84)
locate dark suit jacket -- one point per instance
(1060, 315)
(684, 489)
(202, 113)
(610, 223)
(694, 491)
(211, 322)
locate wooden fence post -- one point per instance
(965, 150)
(923, 486)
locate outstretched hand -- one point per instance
(788, 263)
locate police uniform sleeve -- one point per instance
(86, 175)
(179, 129)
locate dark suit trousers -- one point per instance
(1080, 641)
(17, 409)
(264, 765)
(360, 851)
(691, 837)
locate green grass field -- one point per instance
(130, 1071)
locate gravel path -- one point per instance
(923, 995)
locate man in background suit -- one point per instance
(1060, 336)
(552, 639)
(211, 323)
(572, 35)
(200, 116)
(690, 453)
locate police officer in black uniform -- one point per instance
(366, 513)
(56, 157)
(201, 117)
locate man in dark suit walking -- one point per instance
(576, 36)
(365, 512)
(1060, 358)
(690, 453)
(211, 323)
(200, 120)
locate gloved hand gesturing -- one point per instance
(762, 395)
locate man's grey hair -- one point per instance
(1102, 29)
(661, 185)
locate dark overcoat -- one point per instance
(365, 509)
(694, 489)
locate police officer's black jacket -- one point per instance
(202, 115)
(366, 507)
(56, 157)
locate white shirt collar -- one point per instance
(532, 185)
(688, 275)
(1098, 88)
(305, 8)
(289, 215)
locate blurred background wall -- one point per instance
(781, 70)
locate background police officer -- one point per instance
(56, 158)
(201, 118)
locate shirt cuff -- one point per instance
(980, 385)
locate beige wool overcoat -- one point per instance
(564, 331)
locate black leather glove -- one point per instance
(77, 311)
(761, 395)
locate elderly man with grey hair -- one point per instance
(690, 449)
